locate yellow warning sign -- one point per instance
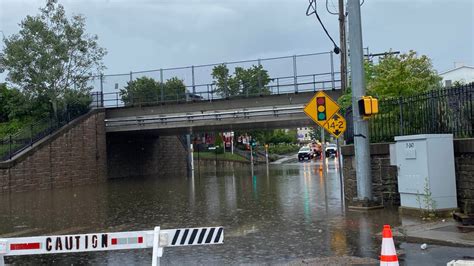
(336, 125)
(321, 108)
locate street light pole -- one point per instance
(361, 126)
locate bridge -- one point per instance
(123, 138)
(266, 112)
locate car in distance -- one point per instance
(304, 152)
(331, 150)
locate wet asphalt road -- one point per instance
(277, 215)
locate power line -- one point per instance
(329, 11)
(312, 5)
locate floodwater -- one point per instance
(271, 215)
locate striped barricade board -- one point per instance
(111, 241)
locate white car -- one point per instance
(305, 152)
(331, 150)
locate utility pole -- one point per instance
(342, 44)
(361, 126)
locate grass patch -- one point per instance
(281, 149)
(223, 156)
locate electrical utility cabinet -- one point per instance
(426, 177)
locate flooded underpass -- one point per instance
(271, 215)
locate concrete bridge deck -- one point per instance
(272, 111)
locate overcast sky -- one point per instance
(143, 34)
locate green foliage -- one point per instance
(76, 102)
(282, 136)
(219, 143)
(283, 148)
(251, 81)
(13, 104)
(141, 90)
(147, 90)
(426, 202)
(175, 89)
(51, 54)
(220, 157)
(272, 136)
(396, 76)
(401, 75)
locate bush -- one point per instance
(283, 148)
(219, 144)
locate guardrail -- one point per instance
(215, 115)
(156, 239)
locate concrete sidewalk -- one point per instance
(443, 232)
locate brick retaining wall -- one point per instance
(74, 155)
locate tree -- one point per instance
(175, 89)
(147, 90)
(401, 75)
(52, 54)
(13, 104)
(251, 81)
(397, 76)
(141, 90)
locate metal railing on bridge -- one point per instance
(287, 74)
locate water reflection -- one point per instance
(271, 214)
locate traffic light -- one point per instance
(368, 106)
(321, 108)
(253, 143)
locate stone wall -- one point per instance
(131, 155)
(464, 163)
(74, 155)
(384, 176)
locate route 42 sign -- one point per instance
(336, 125)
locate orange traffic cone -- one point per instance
(388, 256)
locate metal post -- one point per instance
(323, 151)
(162, 86)
(314, 83)
(266, 153)
(190, 152)
(361, 127)
(101, 90)
(295, 77)
(259, 78)
(131, 76)
(278, 86)
(157, 251)
(31, 135)
(192, 77)
(225, 85)
(10, 146)
(400, 104)
(332, 70)
(251, 156)
(232, 143)
(341, 168)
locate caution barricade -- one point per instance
(156, 239)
